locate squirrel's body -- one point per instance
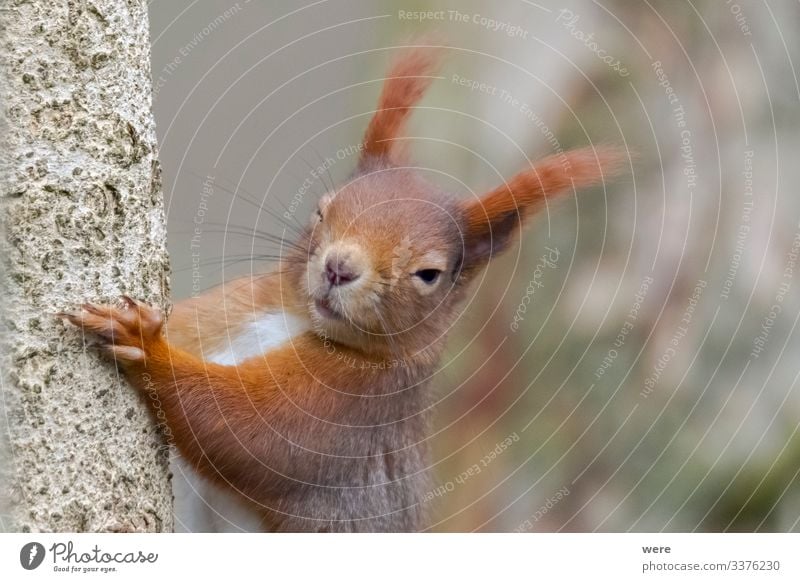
(306, 389)
(351, 463)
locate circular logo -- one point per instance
(31, 555)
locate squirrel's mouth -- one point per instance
(324, 308)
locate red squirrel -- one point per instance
(306, 389)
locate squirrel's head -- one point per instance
(387, 256)
(385, 260)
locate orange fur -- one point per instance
(204, 324)
(404, 86)
(327, 431)
(492, 219)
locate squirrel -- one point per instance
(306, 389)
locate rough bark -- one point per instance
(83, 220)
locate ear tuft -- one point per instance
(409, 76)
(491, 221)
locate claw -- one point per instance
(132, 302)
(74, 317)
(124, 331)
(92, 309)
(129, 301)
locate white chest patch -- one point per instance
(258, 336)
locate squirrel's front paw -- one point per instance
(127, 334)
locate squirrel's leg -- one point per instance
(209, 409)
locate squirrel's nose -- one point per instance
(338, 271)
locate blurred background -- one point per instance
(631, 365)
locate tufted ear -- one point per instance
(492, 221)
(405, 84)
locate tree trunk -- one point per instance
(83, 218)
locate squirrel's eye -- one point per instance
(429, 276)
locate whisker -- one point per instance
(314, 171)
(224, 262)
(238, 259)
(253, 234)
(291, 213)
(327, 168)
(277, 199)
(238, 195)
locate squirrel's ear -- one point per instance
(405, 83)
(492, 221)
